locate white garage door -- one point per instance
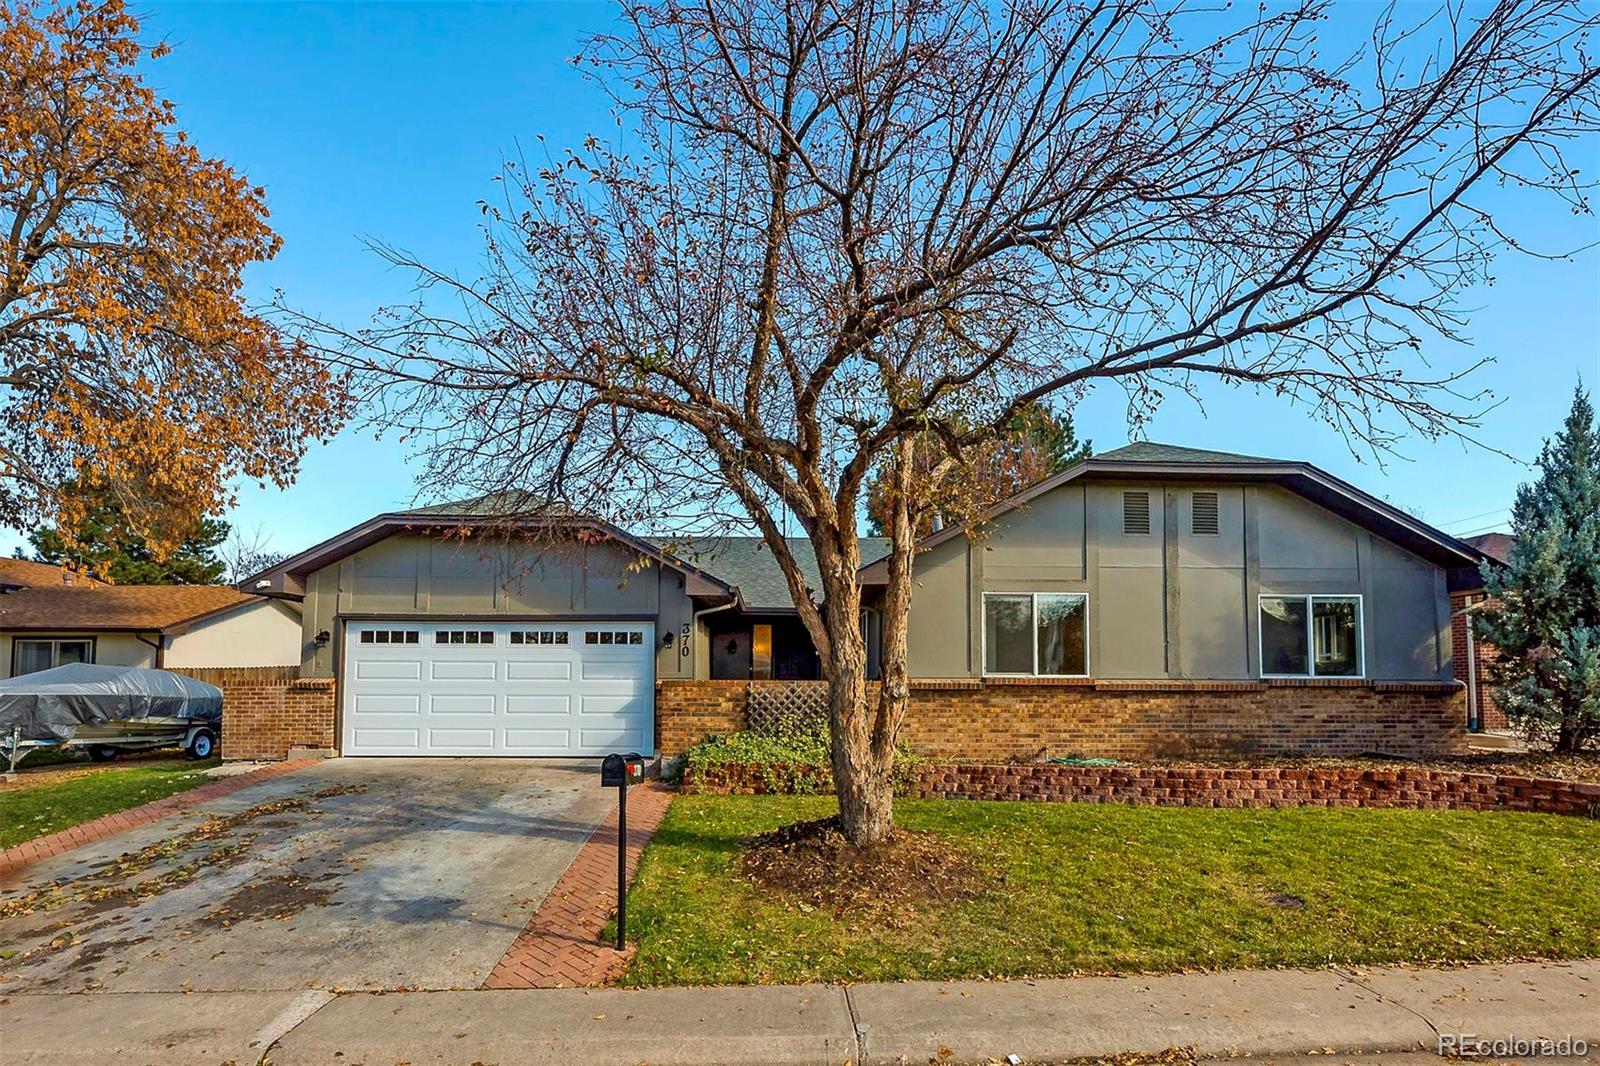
(485, 689)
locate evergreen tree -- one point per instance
(1544, 615)
(106, 548)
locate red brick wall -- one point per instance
(1027, 718)
(1490, 716)
(1177, 786)
(266, 710)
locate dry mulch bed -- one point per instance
(815, 865)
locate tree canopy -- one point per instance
(1544, 615)
(833, 231)
(101, 547)
(130, 363)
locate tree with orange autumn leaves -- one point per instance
(129, 362)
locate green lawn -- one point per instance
(28, 811)
(1074, 888)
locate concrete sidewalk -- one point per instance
(1283, 1014)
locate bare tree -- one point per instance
(247, 553)
(834, 227)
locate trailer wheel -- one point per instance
(102, 753)
(202, 744)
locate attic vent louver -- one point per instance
(1135, 512)
(1203, 514)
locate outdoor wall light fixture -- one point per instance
(733, 646)
(322, 638)
(666, 641)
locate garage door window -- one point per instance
(464, 636)
(613, 636)
(388, 636)
(538, 636)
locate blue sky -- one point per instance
(388, 120)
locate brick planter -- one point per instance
(1183, 786)
(268, 710)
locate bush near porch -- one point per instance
(1077, 888)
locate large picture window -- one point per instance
(29, 655)
(1043, 633)
(1311, 636)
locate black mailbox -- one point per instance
(613, 771)
(618, 772)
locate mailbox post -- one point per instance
(617, 771)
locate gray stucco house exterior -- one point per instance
(1152, 593)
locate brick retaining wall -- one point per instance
(266, 710)
(996, 719)
(1183, 786)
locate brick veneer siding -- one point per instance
(1179, 786)
(266, 710)
(1491, 718)
(997, 719)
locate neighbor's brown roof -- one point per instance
(126, 607)
(1495, 545)
(29, 574)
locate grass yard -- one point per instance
(1082, 888)
(28, 811)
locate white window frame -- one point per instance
(1033, 643)
(1311, 644)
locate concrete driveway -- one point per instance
(354, 874)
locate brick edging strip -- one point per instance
(29, 852)
(560, 947)
(1413, 788)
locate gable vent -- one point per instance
(1203, 513)
(1136, 512)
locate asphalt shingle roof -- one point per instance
(140, 607)
(25, 573)
(747, 564)
(1152, 452)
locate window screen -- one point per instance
(1283, 635)
(1136, 512)
(1203, 513)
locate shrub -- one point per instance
(793, 763)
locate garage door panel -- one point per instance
(379, 669)
(458, 740)
(526, 671)
(612, 739)
(386, 703)
(404, 739)
(526, 704)
(551, 692)
(457, 670)
(557, 741)
(472, 703)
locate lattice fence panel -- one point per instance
(787, 710)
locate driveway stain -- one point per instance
(281, 897)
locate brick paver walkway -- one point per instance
(561, 948)
(29, 852)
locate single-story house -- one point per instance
(1151, 600)
(163, 626)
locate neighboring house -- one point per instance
(24, 573)
(1472, 655)
(166, 626)
(1153, 600)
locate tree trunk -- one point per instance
(864, 782)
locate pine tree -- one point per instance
(1545, 608)
(105, 546)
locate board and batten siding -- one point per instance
(412, 574)
(1172, 603)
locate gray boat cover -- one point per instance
(50, 705)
